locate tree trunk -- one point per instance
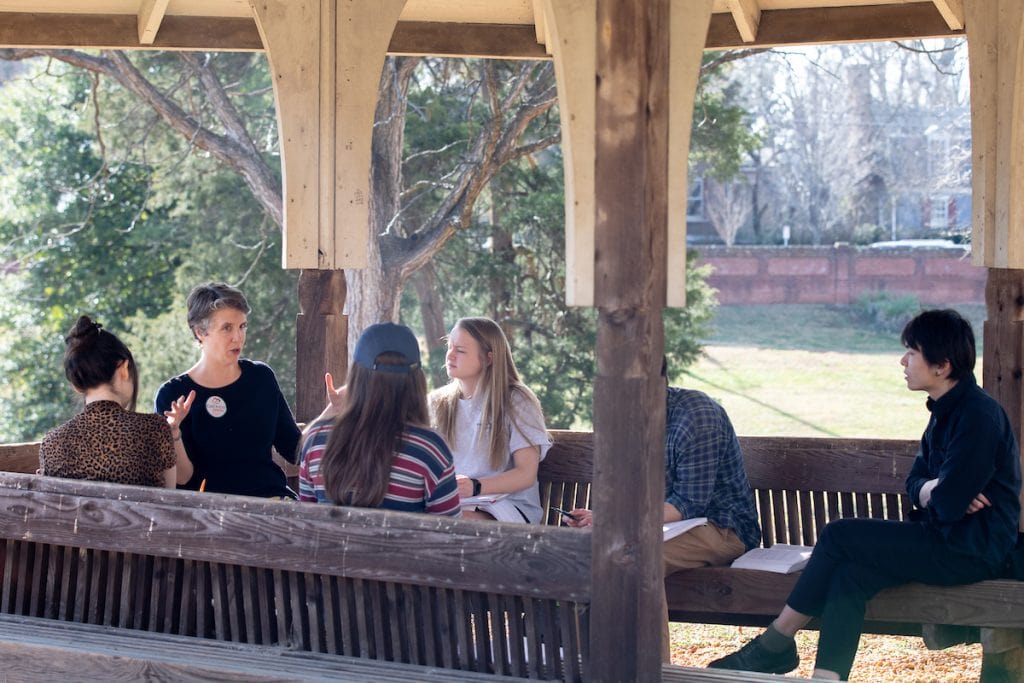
(432, 312)
(502, 256)
(375, 291)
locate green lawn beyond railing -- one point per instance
(810, 370)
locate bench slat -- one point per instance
(720, 590)
(33, 649)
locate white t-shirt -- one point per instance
(471, 453)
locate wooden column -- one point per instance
(995, 30)
(631, 172)
(1004, 341)
(994, 35)
(568, 30)
(321, 339)
(325, 59)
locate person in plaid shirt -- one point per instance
(704, 477)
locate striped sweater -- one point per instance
(422, 476)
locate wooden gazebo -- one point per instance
(626, 73)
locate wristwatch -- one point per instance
(476, 487)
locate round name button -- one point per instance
(216, 406)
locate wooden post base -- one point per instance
(321, 339)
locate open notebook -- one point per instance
(780, 558)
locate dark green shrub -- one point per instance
(887, 311)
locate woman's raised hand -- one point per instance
(178, 411)
(335, 397)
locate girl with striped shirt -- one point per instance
(377, 451)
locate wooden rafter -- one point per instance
(952, 12)
(151, 15)
(747, 15)
(539, 24)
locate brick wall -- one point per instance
(838, 275)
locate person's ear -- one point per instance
(943, 369)
(490, 357)
(122, 370)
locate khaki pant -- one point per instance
(703, 546)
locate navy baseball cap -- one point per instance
(387, 338)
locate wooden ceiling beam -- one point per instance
(151, 15)
(777, 27)
(499, 41)
(817, 26)
(952, 12)
(747, 16)
(121, 32)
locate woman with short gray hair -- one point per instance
(239, 411)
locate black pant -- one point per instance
(856, 558)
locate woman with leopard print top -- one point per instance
(108, 440)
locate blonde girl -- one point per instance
(493, 424)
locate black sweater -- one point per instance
(970, 448)
(229, 431)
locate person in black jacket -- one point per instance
(965, 484)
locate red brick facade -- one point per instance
(838, 275)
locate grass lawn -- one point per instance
(809, 370)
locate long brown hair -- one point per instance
(356, 465)
(499, 381)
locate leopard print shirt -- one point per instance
(105, 442)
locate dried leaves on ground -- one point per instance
(888, 659)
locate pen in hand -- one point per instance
(564, 513)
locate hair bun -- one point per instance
(84, 329)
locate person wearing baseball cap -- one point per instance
(372, 446)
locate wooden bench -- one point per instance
(800, 484)
(414, 589)
(453, 594)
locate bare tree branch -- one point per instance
(234, 153)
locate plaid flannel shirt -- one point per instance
(704, 474)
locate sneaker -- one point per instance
(754, 657)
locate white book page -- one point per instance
(483, 499)
(673, 529)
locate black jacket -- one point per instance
(970, 447)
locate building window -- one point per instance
(938, 218)
(695, 201)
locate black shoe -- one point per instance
(754, 657)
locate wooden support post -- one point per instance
(321, 339)
(631, 183)
(1004, 342)
(688, 31)
(569, 31)
(326, 58)
(567, 28)
(995, 29)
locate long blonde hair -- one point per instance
(499, 381)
